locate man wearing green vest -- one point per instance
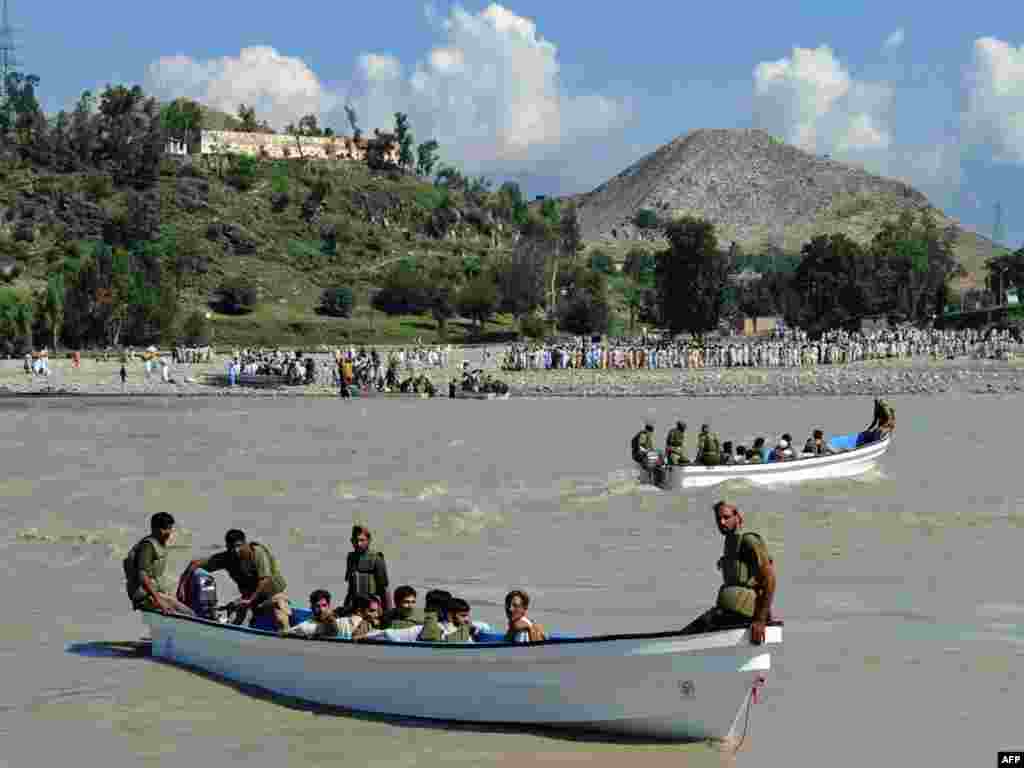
(643, 441)
(675, 444)
(709, 452)
(145, 567)
(366, 572)
(253, 567)
(748, 579)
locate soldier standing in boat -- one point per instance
(884, 419)
(366, 572)
(675, 444)
(643, 441)
(748, 579)
(709, 452)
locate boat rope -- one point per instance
(751, 700)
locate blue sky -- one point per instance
(563, 95)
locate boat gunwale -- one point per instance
(503, 644)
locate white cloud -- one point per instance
(994, 113)
(281, 88)
(895, 39)
(811, 101)
(490, 93)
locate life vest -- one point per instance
(131, 567)
(244, 574)
(362, 577)
(739, 576)
(676, 438)
(710, 449)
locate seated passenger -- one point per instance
(789, 453)
(809, 449)
(404, 614)
(728, 457)
(821, 447)
(323, 623)
(759, 454)
(779, 454)
(458, 628)
(521, 629)
(365, 618)
(741, 455)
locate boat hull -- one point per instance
(664, 686)
(847, 464)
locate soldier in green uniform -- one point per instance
(709, 452)
(145, 567)
(253, 567)
(748, 579)
(366, 572)
(883, 420)
(457, 629)
(675, 444)
(642, 442)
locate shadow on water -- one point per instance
(143, 649)
(112, 649)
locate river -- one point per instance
(904, 636)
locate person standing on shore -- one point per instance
(124, 378)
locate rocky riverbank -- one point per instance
(917, 377)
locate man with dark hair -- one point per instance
(521, 629)
(404, 615)
(748, 579)
(366, 572)
(642, 442)
(323, 623)
(456, 628)
(145, 567)
(253, 567)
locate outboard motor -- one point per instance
(203, 594)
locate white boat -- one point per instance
(846, 462)
(662, 685)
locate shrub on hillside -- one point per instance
(242, 172)
(337, 302)
(236, 296)
(98, 186)
(196, 330)
(646, 219)
(533, 327)
(600, 261)
(404, 292)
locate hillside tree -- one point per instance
(691, 277)
(426, 158)
(404, 137)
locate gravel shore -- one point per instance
(895, 377)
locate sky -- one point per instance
(563, 95)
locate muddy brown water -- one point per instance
(903, 608)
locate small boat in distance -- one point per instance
(663, 685)
(854, 455)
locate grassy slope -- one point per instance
(287, 267)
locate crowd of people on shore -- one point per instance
(790, 350)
